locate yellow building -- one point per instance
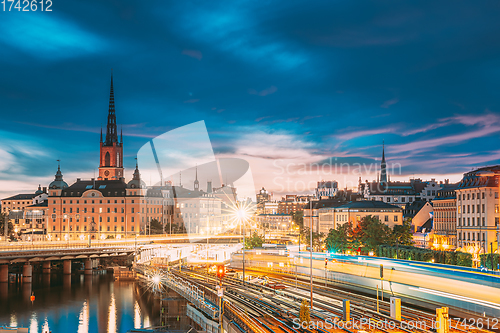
(355, 211)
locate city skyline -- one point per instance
(269, 92)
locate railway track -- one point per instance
(277, 311)
(367, 305)
(362, 307)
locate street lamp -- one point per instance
(99, 239)
(310, 250)
(5, 227)
(67, 235)
(91, 230)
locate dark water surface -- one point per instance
(86, 304)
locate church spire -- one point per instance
(137, 175)
(101, 133)
(196, 182)
(111, 133)
(383, 171)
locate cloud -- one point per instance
(233, 29)
(265, 92)
(421, 145)
(48, 36)
(361, 133)
(193, 54)
(389, 102)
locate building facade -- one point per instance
(326, 189)
(291, 203)
(445, 217)
(263, 196)
(354, 212)
(477, 210)
(27, 213)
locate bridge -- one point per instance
(29, 253)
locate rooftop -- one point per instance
(22, 197)
(369, 204)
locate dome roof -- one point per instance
(136, 181)
(58, 182)
(39, 191)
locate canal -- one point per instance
(87, 304)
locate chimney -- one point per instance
(45, 190)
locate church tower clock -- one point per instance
(111, 157)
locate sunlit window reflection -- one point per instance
(45, 327)
(13, 320)
(33, 323)
(137, 316)
(112, 315)
(83, 325)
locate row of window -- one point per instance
(154, 210)
(343, 218)
(19, 202)
(151, 202)
(445, 214)
(473, 196)
(92, 201)
(394, 199)
(437, 203)
(473, 234)
(92, 219)
(85, 228)
(462, 221)
(470, 209)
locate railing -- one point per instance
(57, 246)
(15, 253)
(184, 288)
(139, 240)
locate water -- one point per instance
(86, 304)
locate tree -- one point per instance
(254, 241)
(370, 233)
(10, 227)
(298, 219)
(402, 235)
(340, 239)
(305, 313)
(179, 228)
(156, 227)
(317, 238)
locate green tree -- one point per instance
(370, 233)
(156, 227)
(340, 239)
(254, 241)
(298, 220)
(316, 236)
(402, 234)
(305, 313)
(10, 227)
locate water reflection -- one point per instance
(45, 326)
(137, 315)
(112, 315)
(34, 323)
(13, 320)
(83, 326)
(80, 305)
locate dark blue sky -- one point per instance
(299, 81)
